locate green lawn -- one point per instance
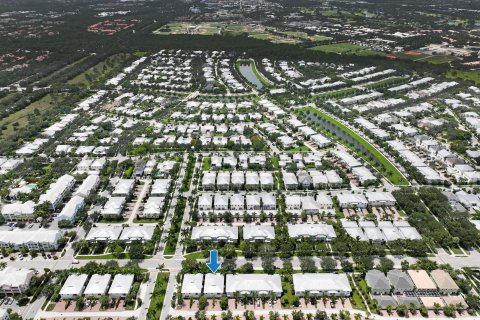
(207, 162)
(390, 171)
(469, 75)
(99, 71)
(158, 295)
(287, 295)
(439, 59)
(156, 221)
(299, 149)
(357, 302)
(194, 255)
(107, 256)
(456, 250)
(346, 48)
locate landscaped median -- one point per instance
(158, 295)
(379, 161)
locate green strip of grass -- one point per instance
(392, 173)
(108, 256)
(158, 295)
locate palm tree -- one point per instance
(272, 297)
(244, 300)
(306, 297)
(333, 299)
(389, 309)
(254, 298)
(263, 297)
(324, 299)
(235, 296)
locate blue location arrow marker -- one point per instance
(214, 265)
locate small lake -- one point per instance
(246, 70)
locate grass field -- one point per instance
(19, 119)
(304, 35)
(392, 173)
(346, 48)
(204, 28)
(469, 75)
(99, 71)
(61, 70)
(438, 59)
(275, 38)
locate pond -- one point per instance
(246, 69)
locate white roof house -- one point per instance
(237, 202)
(214, 285)
(113, 207)
(364, 175)
(41, 239)
(13, 281)
(137, 233)
(238, 178)
(269, 202)
(205, 202)
(380, 198)
(258, 232)
(192, 285)
(57, 190)
(88, 185)
(349, 160)
(248, 283)
(97, 285)
(356, 233)
(320, 231)
(320, 140)
(324, 201)
(293, 202)
(73, 206)
(208, 180)
(123, 187)
(350, 200)
(266, 180)
(153, 207)
(104, 233)
(252, 179)
(253, 202)
(73, 286)
(215, 233)
(160, 187)
(223, 180)
(18, 211)
(290, 180)
(121, 286)
(321, 283)
(374, 234)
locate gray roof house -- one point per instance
(377, 282)
(400, 281)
